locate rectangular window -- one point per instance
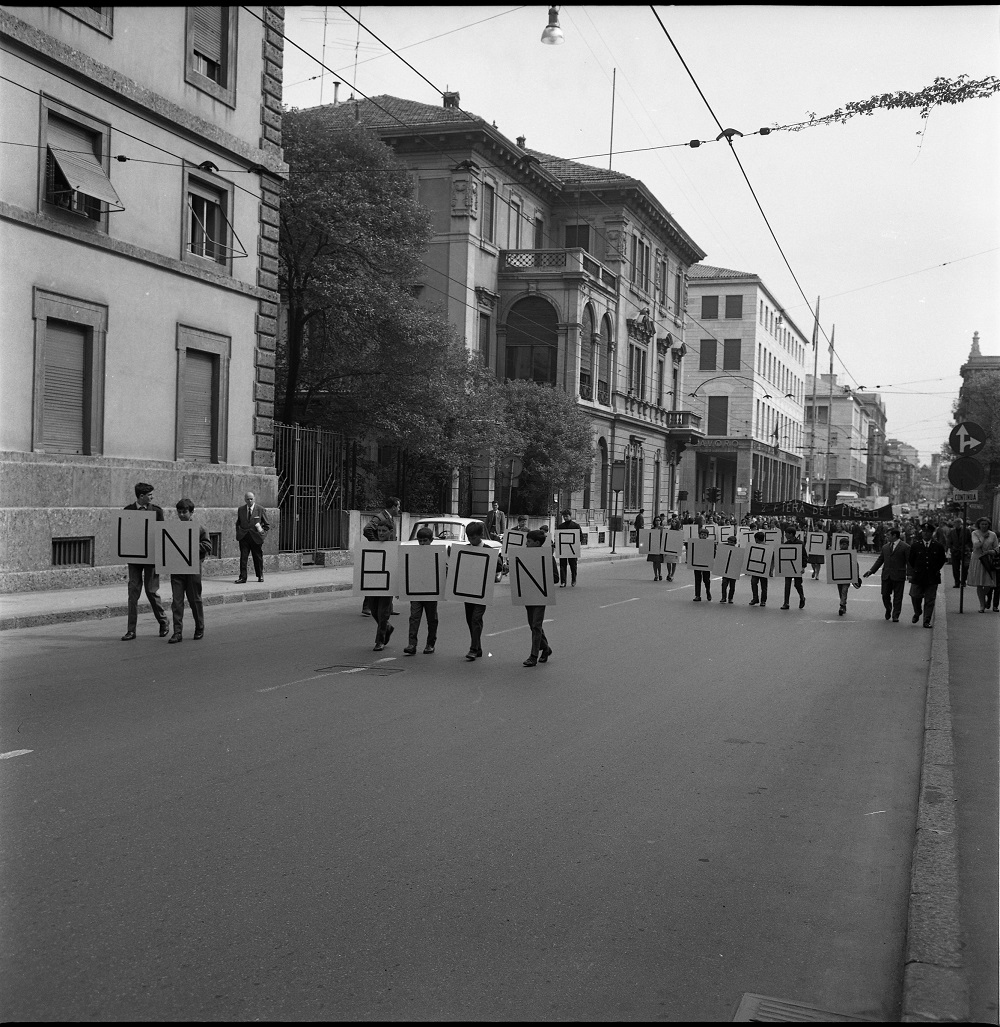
(646, 254)
(731, 354)
(76, 181)
(578, 236)
(637, 371)
(660, 380)
(718, 415)
(708, 358)
(678, 292)
(208, 233)
(709, 308)
(634, 268)
(539, 234)
(484, 338)
(201, 424)
(100, 18)
(68, 414)
(734, 306)
(211, 51)
(514, 236)
(489, 211)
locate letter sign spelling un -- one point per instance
(136, 536)
(177, 548)
(471, 571)
(842, 567)
(568, 544)
(531, 581)
(375, 565)
(788, 560)
(421, 577)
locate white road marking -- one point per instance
(288, 684)
(14, 752)
(386, 659)
(619, 603)
(353, 670)
(520, 627)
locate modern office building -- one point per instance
(138, 229)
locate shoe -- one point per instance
(887, 614)
(802, 602)
(531, 661)
(394, 613)
(479, 654)
(260, 579)
(842, 611)
(428, 650)
(471, 655)
(240, 581)
(174, 638)
(365, 613)
(544, 655)
(378, 647)
(563, 585)
(895, 620)
(753, 602)
(916, 617)
(785, 606)
(388, 632)
(928, 625)
(697, 599)
(573, 583)
(762, 605)
(410, 650)
(199, 633)
(164, 630)
(128, 636)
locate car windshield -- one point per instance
(451, 531)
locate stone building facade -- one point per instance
(139, 231)
(559, 272)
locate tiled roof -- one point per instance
(707, 271)
(384, 112)
(572, 171)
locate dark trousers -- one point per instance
(474, 618)
(562, 568)
(417, 610)
(381, 607)
(702, 578)
(186, 586)
(142, 575)
(536, 615)
(797, 582)
(249, 548)
(756, 581)
(959, 568)
(728, 588)
(892, 596)
(924, 598)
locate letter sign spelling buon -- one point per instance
(375, 568)
(471, 571)
(531, 578)
(135, 536)
(422, 573)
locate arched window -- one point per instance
(604, 363)
(586, 344)
(532, 341)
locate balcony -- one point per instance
(682, 423)
(522, 264)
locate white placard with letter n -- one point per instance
(135, 536)
(177, 548)
(531, 582)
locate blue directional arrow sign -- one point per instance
(967, 438)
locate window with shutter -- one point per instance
(707, 357)
(489, 203)
(718, 415)
(734, 306)
(731, 355)
(709, 307)
(211, 51)
(65, 413)
(199, 390)
(578, 236)
(75, 179)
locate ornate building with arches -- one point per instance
(560, 273)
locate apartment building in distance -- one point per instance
(138, 227)
(747, 379)
(557, 272)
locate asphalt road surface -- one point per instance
(688, 803)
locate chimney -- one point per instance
(521, 141)
(450, 99)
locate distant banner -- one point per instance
(838, 512)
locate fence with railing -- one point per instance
(311, 465)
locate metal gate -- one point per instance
(310, 464)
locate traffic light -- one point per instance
(713, 494)
(758, 496)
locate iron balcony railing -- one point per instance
(554, 262)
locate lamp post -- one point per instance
(552, 34)
(617, 486)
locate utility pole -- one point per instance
(829, 417)
(811, 476)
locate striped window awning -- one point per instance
(73, 151)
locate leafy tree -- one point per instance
(553, 438)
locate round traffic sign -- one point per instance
(967, 438)
(966, 473)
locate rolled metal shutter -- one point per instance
(208, 23)
(65, 394)
(199, 374)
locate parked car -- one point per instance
(447, 529)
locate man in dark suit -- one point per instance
(926, 558)
(567, 522)
(251, 527)
(893, 561)
(960, 545)
(142, 575)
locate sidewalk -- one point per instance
(950, 947)
(32, 609)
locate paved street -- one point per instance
(689, 803)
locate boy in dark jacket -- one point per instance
(189, 585)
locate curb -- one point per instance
(934, 986)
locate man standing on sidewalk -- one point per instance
(251, 527)
(960, 546)
(144, 574)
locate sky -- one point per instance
(892, 221)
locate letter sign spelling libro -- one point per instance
(177, 548)
(788, 560)
(375, 568)
(531, 578)
(729, 561)
(422, 573)
(135, 534)
(471, 571)
(759, 557)
(842, 567)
